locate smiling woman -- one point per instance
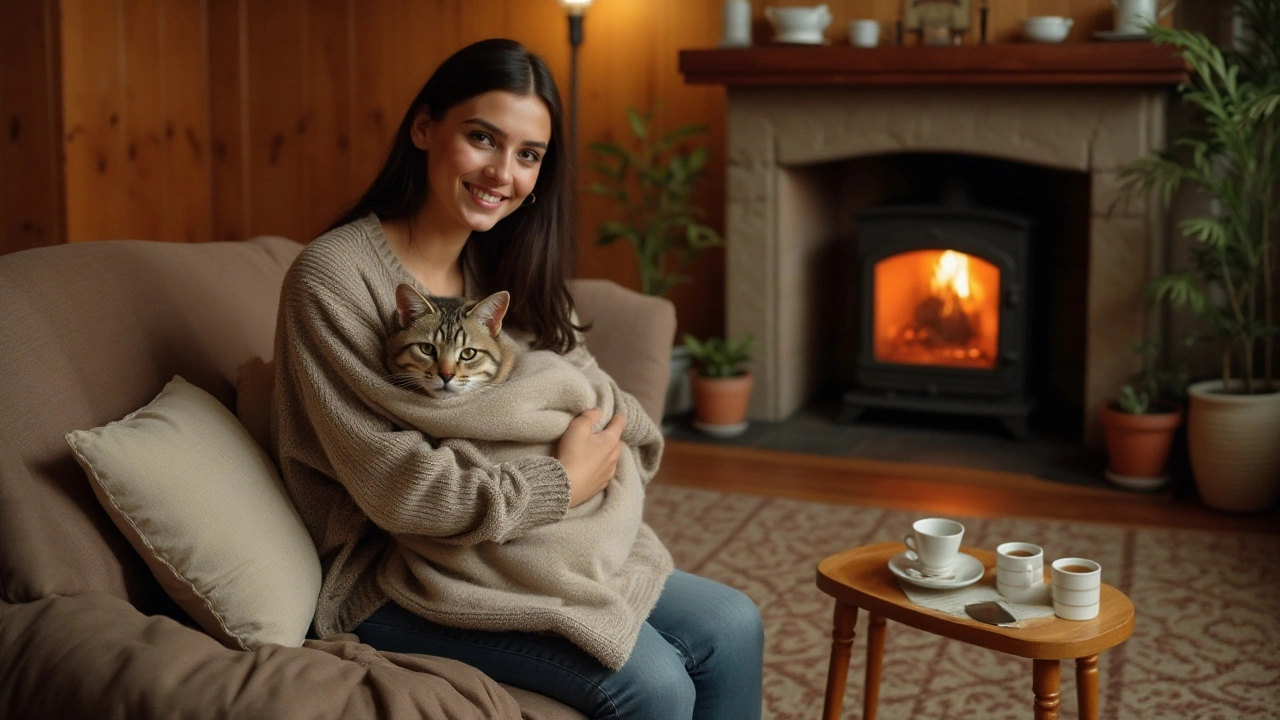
(475, 526)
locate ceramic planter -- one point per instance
(1234, 444)
(1138, 445)
(720, 404)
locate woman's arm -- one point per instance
(330, 381)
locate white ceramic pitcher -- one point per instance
(1132, 16)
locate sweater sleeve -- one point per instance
(331, 374)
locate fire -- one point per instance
(937, 307)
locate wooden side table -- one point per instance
(860, 578)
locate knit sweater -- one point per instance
(453, 508)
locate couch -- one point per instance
(92, 332)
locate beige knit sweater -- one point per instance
(453, 508)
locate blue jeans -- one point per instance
(700, 655)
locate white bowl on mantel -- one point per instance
(1047, 28)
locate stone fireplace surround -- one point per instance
(781, 210)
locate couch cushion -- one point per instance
(93, 331)
(206, 509)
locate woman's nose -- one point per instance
(500, 169)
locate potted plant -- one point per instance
(652, 179)
(1140, 424)
(721, 384)
(1231, 156)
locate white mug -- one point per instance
(1132, 16)
(737, 24)
(864, 33)
(933, 544)
(1077, 588)
(1020, 572)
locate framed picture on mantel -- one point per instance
(953, 14)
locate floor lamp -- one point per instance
(575, 8)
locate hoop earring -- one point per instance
(529, 200)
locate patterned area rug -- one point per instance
(1206, 645)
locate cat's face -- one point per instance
(448, 346)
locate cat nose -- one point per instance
(445, 377)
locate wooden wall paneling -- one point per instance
(481, 19)
(327, 184)
(185, 84)
(96, 172)
(616, 63)
(380, 64)
(276, 97)
(228, 120)
(30, 143)
(146, 167)
(699, 303)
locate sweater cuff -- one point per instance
(548, 490)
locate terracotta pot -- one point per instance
(1138, 445)
(720, 401)
(1234, 445)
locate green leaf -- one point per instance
(639, 124)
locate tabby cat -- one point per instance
(447, 346)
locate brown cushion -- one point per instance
(92, 332)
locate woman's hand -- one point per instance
(590, 459)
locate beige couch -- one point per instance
(92, 332)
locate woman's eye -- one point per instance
(481, 137)
(427, 349)
(530, 156)
(467, 353)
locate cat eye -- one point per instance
(467, 353)
(427, 349)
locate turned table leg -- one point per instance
(875, 654)
(1087, 687)
(838, 672)
(1045, 684)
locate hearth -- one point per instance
(944, 313)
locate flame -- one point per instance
(951, 272)
(937, 307)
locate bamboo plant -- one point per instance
(652, 179)
(1232, 156)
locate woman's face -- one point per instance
(483, 158)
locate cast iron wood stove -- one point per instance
(944, 313)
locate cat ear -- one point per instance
(491, 310)
(411, 304)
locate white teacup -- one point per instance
(864, 33)
(933, 544)
(1077, 588)
(1020, 572)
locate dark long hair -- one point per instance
(529, 253)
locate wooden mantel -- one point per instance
(1089, 63)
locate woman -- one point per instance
(475, 197)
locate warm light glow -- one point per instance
(937, 307)
(575, 7)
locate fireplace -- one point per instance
(944, 313)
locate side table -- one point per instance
(860, 578)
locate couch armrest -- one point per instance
(631, 337)
(94, 655)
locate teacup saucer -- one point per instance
(966, 571)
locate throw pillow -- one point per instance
(206, 509)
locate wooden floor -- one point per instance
(926, 488)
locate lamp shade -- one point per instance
(575, 7)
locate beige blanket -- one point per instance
(594, 576)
